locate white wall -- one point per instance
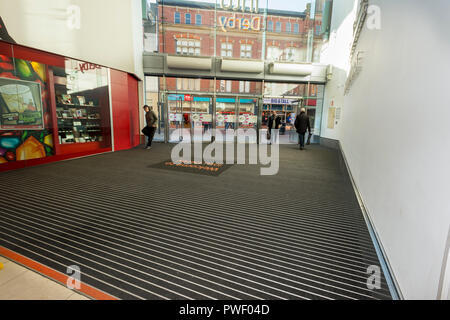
(110, 31)
(336, 53)
(395, 134)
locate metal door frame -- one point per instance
(166, 102)
(213, 95)
(256, 112)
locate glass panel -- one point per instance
(177, 121)
(284, 99)
(82, 106)
(153, 100)
(200, 34)
(247, 119)
(302, 24)
(225, 117)
(201, 117)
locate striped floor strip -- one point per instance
(145, 233)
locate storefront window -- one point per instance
(82, 103)
(55, 109)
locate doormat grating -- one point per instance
(214, 169)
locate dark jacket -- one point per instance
(270, 122)
(151, 118)
(302, 123)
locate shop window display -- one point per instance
(82, 103)
(46, 110)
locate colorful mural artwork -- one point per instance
(26, 144)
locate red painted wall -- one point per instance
(125, 110)
(133, 99)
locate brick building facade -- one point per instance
(201, 29)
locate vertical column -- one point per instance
(51, 88)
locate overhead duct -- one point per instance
(291, 69)
(229, 65)
(191, 63)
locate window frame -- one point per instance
(245, 50)
(190, 47)
(278, 27)
(177, 16)
(198, 19)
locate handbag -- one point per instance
(145, 131)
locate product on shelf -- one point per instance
(78, 119)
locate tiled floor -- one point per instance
(19, 283)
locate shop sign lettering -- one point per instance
(240, 23)
(87, 66)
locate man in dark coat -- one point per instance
(302, 124)
(149, 130)
(273, 123)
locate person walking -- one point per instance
(273, 124)
(302, 124)
(149, 130)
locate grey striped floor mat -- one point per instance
(138, 232)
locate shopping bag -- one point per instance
(308, 142)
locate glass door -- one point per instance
(190, 117)
(248, 119)
(176, 119)
(225, 118)
(201, 117)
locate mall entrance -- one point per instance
(188, 106)
(196, 113)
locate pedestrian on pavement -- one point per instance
(273, 124)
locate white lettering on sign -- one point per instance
(240, 5)
(239, 23)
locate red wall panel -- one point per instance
(124, 96)
(133, 100)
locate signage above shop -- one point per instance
(240, 5)
(279, 101)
